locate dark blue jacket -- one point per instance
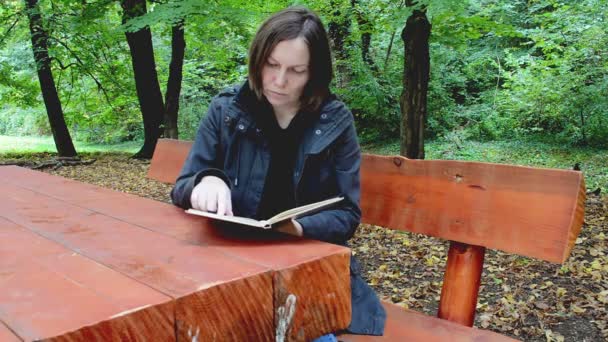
(230, 145)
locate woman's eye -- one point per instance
(299, 71)
(272, 65)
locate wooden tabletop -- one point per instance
(83, 263)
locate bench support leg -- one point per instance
(461, 283)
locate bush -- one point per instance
(17, 121)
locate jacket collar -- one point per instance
(329, 122)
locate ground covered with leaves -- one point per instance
(528, 299)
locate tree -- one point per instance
(173, 13)
(338, 29)
(146, 79)
(366, 29)
(61, 135)
(416, 71)
(174, 83)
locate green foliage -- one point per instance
(373, 101)
(499, 69)
(19, 121)
(555, 81)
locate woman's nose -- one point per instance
(280, 78)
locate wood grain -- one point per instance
(497, 206)
(239, 310)
(314, 313)
(461, 282)
(577, 219)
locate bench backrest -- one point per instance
(533, 212)
(168, 159)
(528, 211)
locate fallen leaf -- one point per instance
(484, 320)
(576, 309)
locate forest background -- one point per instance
(518, 82)
(499, 70)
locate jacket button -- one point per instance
(318, 132)
(227, 119)
(241, 127)
(323, 116)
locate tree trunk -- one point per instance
(338, 29)
(365, 27)
(146, 79)
(388, 51)
(583, 128)
(174, 84)
(413, 100)
(61, 135)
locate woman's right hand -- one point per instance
(211, 194)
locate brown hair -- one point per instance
(291, 23)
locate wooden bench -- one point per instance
(532, 212)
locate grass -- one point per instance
(10, 145)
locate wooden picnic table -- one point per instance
(81, 262)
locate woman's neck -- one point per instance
(284, 115)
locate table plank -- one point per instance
(181, 271)
(318, 311)
(293, 260)
(58, 187)
(77, 292)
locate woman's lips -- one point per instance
(276, 93)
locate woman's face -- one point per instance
(286, 73)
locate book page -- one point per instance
(305, 209)
(234, 219)
(267, 224)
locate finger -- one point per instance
(212, 201)
(228, 203)
(221, 203)
(194, 200)
(202, 201)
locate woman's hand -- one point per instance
(291, 227)
(211, 194)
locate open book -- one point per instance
(267, 224)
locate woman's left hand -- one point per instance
(291, 227)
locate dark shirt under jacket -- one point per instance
(279, 192)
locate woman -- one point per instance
(281, 140)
